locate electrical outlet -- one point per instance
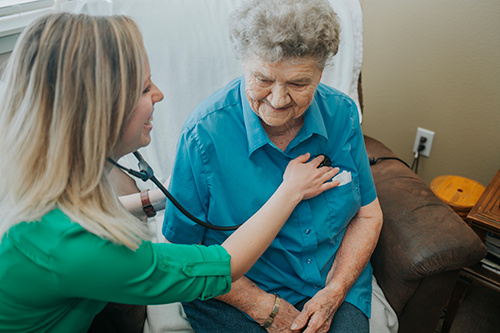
(427, 138)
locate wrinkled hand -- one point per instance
(284, 319)
(307, 179)
(317, 315)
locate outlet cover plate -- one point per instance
(429, 135)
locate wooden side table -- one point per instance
(459, 193)
(484, 217)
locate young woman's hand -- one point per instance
(307, 179)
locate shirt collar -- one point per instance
(257, 136)
(313, 122)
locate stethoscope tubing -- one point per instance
(146, 173)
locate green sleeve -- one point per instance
(87, 266)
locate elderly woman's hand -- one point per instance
(284, 318)
(307, 179)
(318, 312)
(315, 317)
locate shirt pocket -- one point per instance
(343, 202)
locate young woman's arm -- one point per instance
(301, 181)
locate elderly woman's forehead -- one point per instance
(255, 60)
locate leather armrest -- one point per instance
(421, 235)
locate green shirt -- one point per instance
(56, 276)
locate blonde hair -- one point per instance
(71, 84)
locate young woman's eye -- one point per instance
(148, 88)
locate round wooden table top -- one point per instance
(456, 191)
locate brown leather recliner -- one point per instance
(422, 246)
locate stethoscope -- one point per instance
(146, 173)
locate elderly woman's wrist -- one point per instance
(260, 309)
(336, 289)
(276, 306)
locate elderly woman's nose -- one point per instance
(279, 96)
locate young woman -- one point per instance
(78, 91)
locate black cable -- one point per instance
(417, 163)
(416, 159)
(374, 160)
(188, 214)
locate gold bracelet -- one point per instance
(276, 307)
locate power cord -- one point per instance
(416, 159)
(374, 160)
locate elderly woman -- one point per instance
(78, 95)
(316, 276)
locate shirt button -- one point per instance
(308, 261)
(308, 231)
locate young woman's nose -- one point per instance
(157, 94)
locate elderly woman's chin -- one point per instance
(277, 121)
